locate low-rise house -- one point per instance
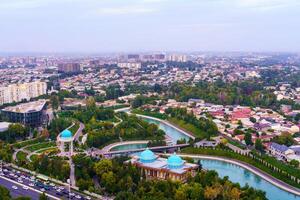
(266, 138)
(262, 127)
(239, 137)
(280, 151)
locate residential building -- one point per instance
(68, 67)
(280, 151)
(130, 65)
(18, 92)
(177, 58)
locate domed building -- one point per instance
(147, 156)
(175, 162)
(66, 134)
(65, 137)
(155, 167)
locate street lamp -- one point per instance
(69, 182)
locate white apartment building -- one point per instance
(18, 92)
(177, 58)
(130, 65)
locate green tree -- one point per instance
(294, 163)
(43, 197)
(4, 193)
(252, 119)
(248, 138)
(103, 166)
(285, 138)
(54, 100)
(91, 103)
(258, 145)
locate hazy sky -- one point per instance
(149, 25)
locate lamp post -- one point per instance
(69, 182)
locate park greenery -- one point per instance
(284, 139)
(6, 152)
(201, 128)
(57, 125)
(130, 128)
(247, 93)
(52, 166)
(104, 126)
(15, 132)
(127, 183)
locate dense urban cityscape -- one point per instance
(71, 123)
(149, 100)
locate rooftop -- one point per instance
(147, 156)
(33, 106)
(279, 147)
(66, 134)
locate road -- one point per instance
(79, 131)
(10, 177)
(20, 191)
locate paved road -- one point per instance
(20, 191)
(10, 178)
(79, 131)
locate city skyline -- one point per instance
(149, 25)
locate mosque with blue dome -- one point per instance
(155, 167)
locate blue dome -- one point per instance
(66, 134)
(175, 162)
(147, 156)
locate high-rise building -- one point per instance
(159, 57)
(177, 58)
(133, 56)
(68, 67)
(18, 92)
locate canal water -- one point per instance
(234, 172)
(128, 147)
(171, 132)
(243, 176)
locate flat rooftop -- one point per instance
(33, 106)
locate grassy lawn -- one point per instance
(47, 150)
(21, 156)
(236, 143)
(33, 157)
(40, 146)
(188, 127)
(151, 114)
(28, 142)
(254, 162)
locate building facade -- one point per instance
(155, 167)
(68, 67)
(18, 92)
(130, 65)
(177, 58)
(30, 114)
